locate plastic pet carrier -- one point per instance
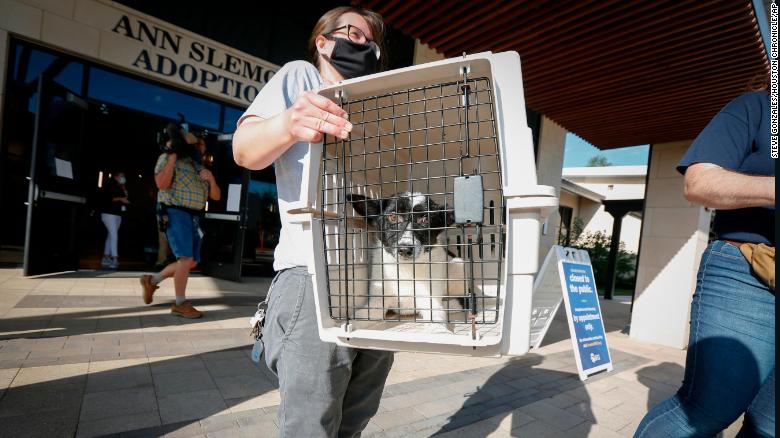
(424, 224)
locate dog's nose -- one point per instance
(405, 251)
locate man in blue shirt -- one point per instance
(730, 364)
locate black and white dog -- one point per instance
(410, 265)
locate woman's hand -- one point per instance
(313, 115)
(259, 142)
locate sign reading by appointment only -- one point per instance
(582, 308)
(576, 287)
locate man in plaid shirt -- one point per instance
(185, 186)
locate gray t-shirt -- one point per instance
(276, 96)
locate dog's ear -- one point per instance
(369, 208)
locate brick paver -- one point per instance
(80, 355)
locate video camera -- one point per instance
(175, 134)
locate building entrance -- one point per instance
(79, 146)
(105, 122)
(121, 140)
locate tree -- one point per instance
(577, 226)
(598, 161)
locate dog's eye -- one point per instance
(393, 218)
(423, 220)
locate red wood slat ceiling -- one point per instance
(615, 72)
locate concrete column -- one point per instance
(549, 166)
(614, 246)
(674, 236)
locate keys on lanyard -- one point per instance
(256, 322)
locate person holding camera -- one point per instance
(184, 187)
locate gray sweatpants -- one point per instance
(326, 390)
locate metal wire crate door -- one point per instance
(404, 155)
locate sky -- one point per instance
(577, 152)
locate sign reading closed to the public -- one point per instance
(585, 315)
(566, 276)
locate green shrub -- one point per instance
(597, 244)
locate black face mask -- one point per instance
(351, 59)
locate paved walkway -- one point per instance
(80, 355)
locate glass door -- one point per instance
(56, 200)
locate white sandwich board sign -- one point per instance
(567, 276)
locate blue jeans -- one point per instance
(730, 365)
(183, 233)
(326, 390)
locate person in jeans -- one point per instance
(114, 203)
(162, 241)
(184, 187)
(326, 390)
(730, 363)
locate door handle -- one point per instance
(63, 197)
(223, 216)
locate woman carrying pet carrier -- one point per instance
(326, 390)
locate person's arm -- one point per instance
(214, 192)
(715, 187)
(164, 178)
(259, 142)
